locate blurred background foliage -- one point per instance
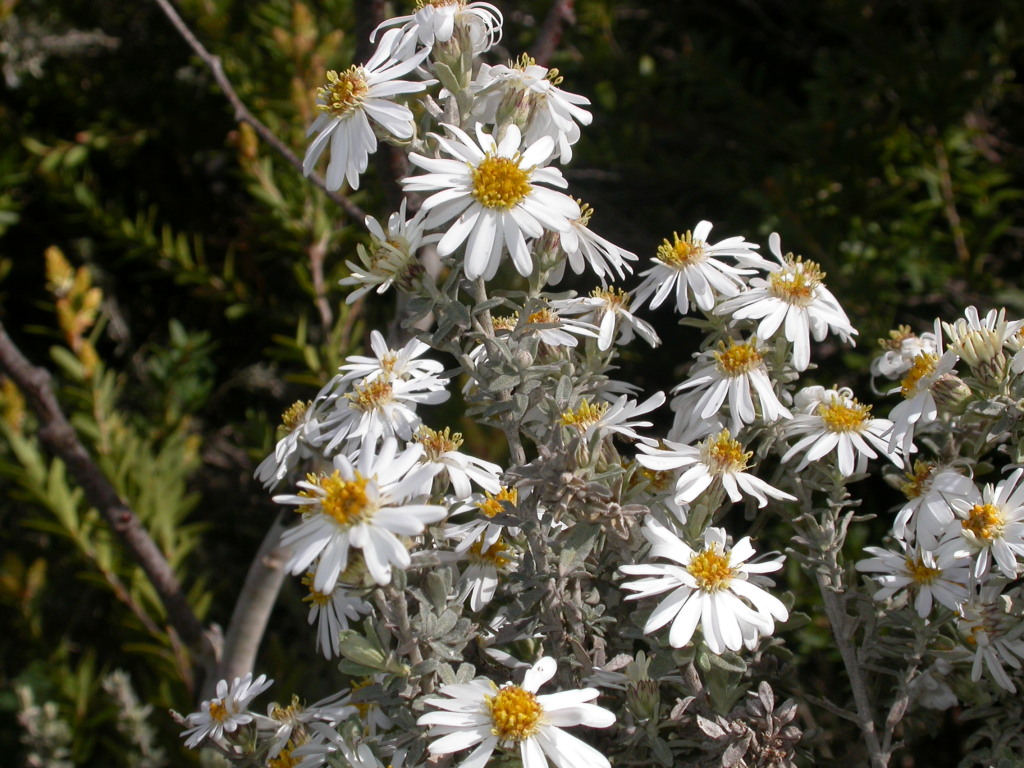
(180, 279)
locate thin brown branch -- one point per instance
(949, 210)
(60, 437)
(550, 36)
(317, 253)
(242, 113)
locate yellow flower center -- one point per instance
(896, 338)
(218, 711)
(343, 92)
(491, 506)
(493, 555)
(293, 415)
(710, 569)
(923, 365)
(796, 282)
(314, 597)
(657, 480)
(284, 758)
(515, 713)
(682, 252)
(435, 444)
(344, 501)
(372, 395)
(543, 316)
(723, 454)
(436, 3)
(840, 416)
(586, 211)
(918, 481)
(738, 358)
(284, 714)
(499, 182)
(985, 521)
(505, 322)
(585, 415)
(616, 298)
(921, 573)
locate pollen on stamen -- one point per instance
(493, 555)
(499, 182)
(293, 415)
(584, 415)
(218, 711)
(344, 501)
(985, 521)
(683, 251)
(796, 282)
(724, 454)
(840, 416)
(515, 713)
(924, 365)
(921, 573)
(371, 395)
(614, 296)
(896, 338)
(710, 569)
(738, 358)
(491, 505)
(543, 316)
(343, 92)
(919, 480)
(315, 597)
(436, 444)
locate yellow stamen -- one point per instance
(985, 521)
(491, 506)
(343, 92)
(796, 282)
(499, 182)
(896, 338)
(344, 501)
(710, 569)
(372, 395)
(616, 297)
(314, 597)
(515, 713)
(543, 316)
(585, 415)
(435, 444)
(723, 454)
(505, 322)
(844, 417)
(294, 414)
(921, 573)
(682, 252)
(923, 365)
(284, 758)
(738, 358)
(919, 480)
(493, 555)
(218, 711)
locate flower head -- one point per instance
(225, 713)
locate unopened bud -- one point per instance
(643, 699)
(951, 393)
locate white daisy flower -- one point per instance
(479, 714)
(373, 718)
(487, 564)
(617, 417)
(930, 490)
(547, 322)
(900, 349)
(993, 529)
(939, 575)
(365, 505)
(326, 742)
(928, 374)
(531, 92)
(442, 449)
(292, 723)
(391, 257)
(842, 425)
(583, 247)
(331, 612)
(301, 426)
(483, 528)
(436, 21)
(719, 460)
(493, 189)
(712, 588)
(735, 371)
(793, 298)
(348, 102)
(993, 631)
(226, 713)
(608, 310)
(691, 268)
(391, 364)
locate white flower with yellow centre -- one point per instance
(364, 505)
(487, 564)
(933, 576)
(481, 715)
(899, 351)
(720, 460)
(712, 588)
(930, 490)
(391, 364)
(331, 612)
(301, 432)
(793, 298)
(732, 374)
(441, 448)
(840, 424)
(437, 21)
(585, 248)
(482, 528)
(590, 418)
(927, 375)
(992, 630)
(492, 190)
(993, 527)
(347, 104)
(609, 310)
(225, 713)
(692, 269)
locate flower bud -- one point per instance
(951, 393)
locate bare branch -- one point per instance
(60, 437)
(242, 113)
